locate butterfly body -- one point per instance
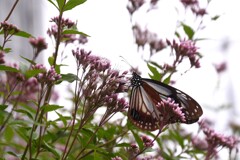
(147, 93)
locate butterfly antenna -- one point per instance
(133, 69)
(124, 60)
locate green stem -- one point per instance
(34, 127)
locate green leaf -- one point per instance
(51, 149)
(29, 107)
(34, 72)
(155, 74)
(30, 61)
(174, 134)
(7, 50)
(21, 123)
(177, 34)
(60, 5)
(138, 140)
(69, 77)
(57, 68)
(8, 69)
(86, 134)
(167, 80)
(123, 145)
(25, 112)
(8, 133)
(72, 31)
(188, 30)
(62, 118)
(23, 133)
(3, 114)
(23, 34)
(53, 4)
(49, 108)
(155, 64)
(73, 3)
(3, 107)
(12, 154)
(51, 60)
(215, 17)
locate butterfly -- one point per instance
(145, 95)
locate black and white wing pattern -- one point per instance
(145, 95)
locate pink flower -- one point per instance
(147, 141)
(38, 44)
(171, 112)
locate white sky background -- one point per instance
(108, 24)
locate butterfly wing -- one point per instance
(191, 109)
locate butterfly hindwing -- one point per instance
(190, 107)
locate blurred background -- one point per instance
(27, 16)
(109, 25)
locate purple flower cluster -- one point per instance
(9, 29)
(135, 152)
(17, 83)
(134, 5)
(145, 37)
(38, 44)
(220, 67)
(113, 100)
(215, 140)
(170, 111)
(66, 24)
(187, 3)
(46, 77)
(148, 143)
(134, 148)
(186, 48)
(194, 5)
(99, 85)
(116, 158)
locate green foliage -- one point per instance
(69, 77)
(155, 74)
(71, 31)
(64, 5)
(188, 30)
(8, 68)
(49, 108)
(33, 72)
(23, 34)
(28, 60)
(3, 107)
(72, 4)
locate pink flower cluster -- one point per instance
(171, 112)
(47, 77)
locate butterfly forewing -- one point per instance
(146, 93)
(140, 113)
